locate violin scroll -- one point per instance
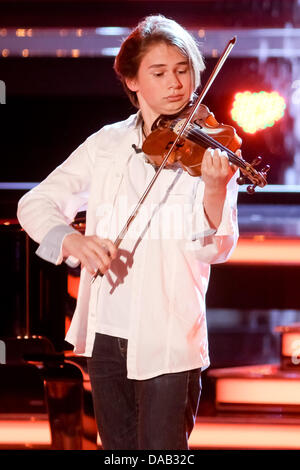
(258, 178)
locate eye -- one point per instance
(158, 74)
(182, 71)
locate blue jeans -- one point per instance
(158, 413)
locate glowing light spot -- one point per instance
(256, 111)
(20, 32)
(61, 53)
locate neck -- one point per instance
(146, 129)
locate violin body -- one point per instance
(191, 139)
(188, 153)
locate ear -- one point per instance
(131, 84)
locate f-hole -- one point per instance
(178, 145)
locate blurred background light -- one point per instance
(256, 111)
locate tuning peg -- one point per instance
(241, 180)
(251, 189)
(266, 169)
(256, 161)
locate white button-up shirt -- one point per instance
(154, 293)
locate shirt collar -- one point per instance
(138, 119)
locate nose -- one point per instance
(174, 81)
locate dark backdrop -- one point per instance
(54, 104)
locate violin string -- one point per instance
(206, 139)
(200, 136)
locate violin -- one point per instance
(203, 131)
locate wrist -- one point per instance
(215, 193)
(67, 243)
(213, 203)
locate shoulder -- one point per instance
(114, 133)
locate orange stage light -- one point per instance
(255, 111)
(260, 390)
(208, 433)
(244, 435)
(73, 285)
(25, 432)
(261, 250)
(290, 346)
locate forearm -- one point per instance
(214, 224)
(213, 202)
(213, 245)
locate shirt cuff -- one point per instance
(228, 225)
(50, 248)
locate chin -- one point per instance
(173, 109)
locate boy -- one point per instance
(142, 324)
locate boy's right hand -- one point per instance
(93, 252)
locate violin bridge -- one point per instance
(178, 126)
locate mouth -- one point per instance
(174, 98)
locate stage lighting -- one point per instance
(256, 111)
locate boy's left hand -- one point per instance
(216, 170)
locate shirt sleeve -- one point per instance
(57, 199)
(50, 248)
(210, 245)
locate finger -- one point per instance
(107, 245)
(85, 262)
(99, 250)
(110, 247)
(96, 256)
(207, 160)
(234, 167)
(224, 160)
(100, 257)
(217, 159)
(105, 260)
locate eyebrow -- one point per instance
(185, 62)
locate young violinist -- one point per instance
(142, 322)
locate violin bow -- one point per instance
(193, 111)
